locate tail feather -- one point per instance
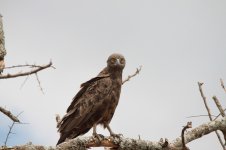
(62, 139)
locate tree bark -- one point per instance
(2, 46)
(82, 143)
(2, 40)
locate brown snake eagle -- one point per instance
(95, 103)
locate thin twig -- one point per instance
(26, 73)
(27, 65)
(217, 102)
(219, 115)
(10, 130)
(204, 100)
(200, 116)
(39, 83)
(189, 125)
(22, 85)
(9, 114)
(222, 85)
(130, 76)
(209, 113)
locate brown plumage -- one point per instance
(95, 103)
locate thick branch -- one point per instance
(201, 130)
(2, 46)
(9, 114)
(2, 40)
(39, 68)
(82, 143)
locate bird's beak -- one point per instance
(118, 62)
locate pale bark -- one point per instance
(2, 40)
(81, 143)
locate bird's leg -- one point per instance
(95, 133)
(112, 133)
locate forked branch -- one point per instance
(131, 76)
(209, 113)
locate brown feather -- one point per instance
(95, 103)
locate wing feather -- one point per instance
(87, 106)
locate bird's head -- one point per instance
(116, 61)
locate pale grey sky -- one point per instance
(178, 43)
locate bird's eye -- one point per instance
(113, 60)
(122, 60)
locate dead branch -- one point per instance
(39, 83)
(130, 76)
(209, 113)
(10, 129)
(25, 80)
(222, 85)
(217, 102)
(2, 46)
(82, 143)
(10, 132)
(200, 116)
(9, 114)
(37, 69)
(189, 125)
(204, 100)
(27, 65)
(204, 129)
(219, 115)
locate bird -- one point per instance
(95, 103)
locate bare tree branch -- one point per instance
(130, 76)
(10, 130)
(200, 116)
(27, 65)
(2, 46)
(25, 80)
(201, 130)
(218, 115)
(209, 113)
(82, 143)
(37, 69)
(39, 83)
(204, 100)
(189, 125)
(217, 102)
(9, 114)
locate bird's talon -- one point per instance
(99, 137)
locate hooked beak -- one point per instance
(117, 62)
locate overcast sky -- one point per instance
(177, 42)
